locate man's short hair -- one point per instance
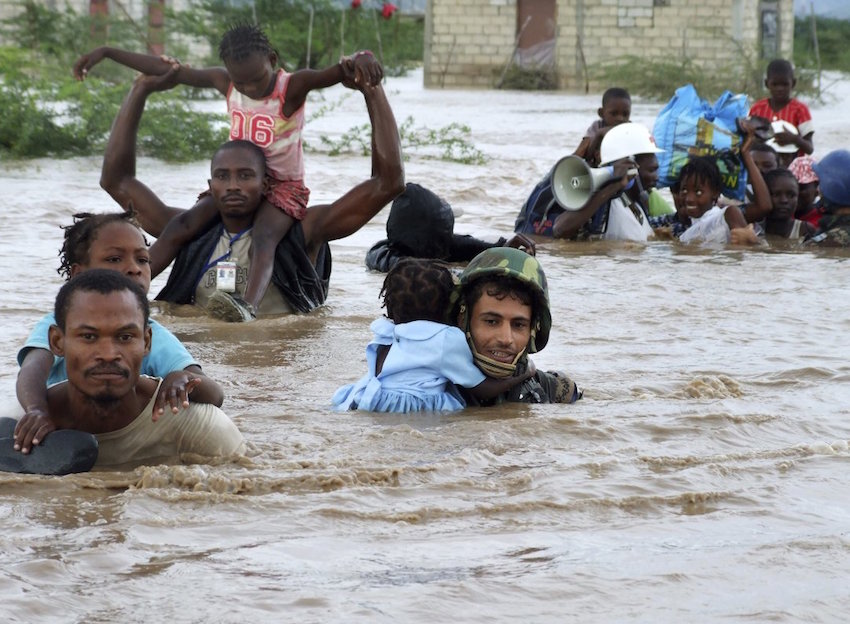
(501, 286)
(246, 145)
(615, 93)
(103, 281)
(779, 67)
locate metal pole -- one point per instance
(342, 33)
(310, 36)
(815, 41)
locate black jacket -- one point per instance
(303, 284)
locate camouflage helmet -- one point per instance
(520, 266)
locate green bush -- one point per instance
(658, 80)
(399, 41)
(37, 71)
(28, 130)
(450, 142)
(528, 78)
(832, 37)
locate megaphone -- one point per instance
(574, 181)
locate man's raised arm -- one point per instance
(118, 175)
(351, 211)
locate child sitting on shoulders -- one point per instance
(616, 109)
(266, 107)
(780, 82)
(808, 209)
(783, 189)
(415, 353)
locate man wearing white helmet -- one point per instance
(615, 212)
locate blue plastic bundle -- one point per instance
(690, 126)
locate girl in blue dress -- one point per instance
(415, 353)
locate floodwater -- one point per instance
(703, 477)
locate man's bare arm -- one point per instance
(354, 209)
(118, 174)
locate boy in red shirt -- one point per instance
(780, 105)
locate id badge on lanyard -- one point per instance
(225, 266)
(225, 276)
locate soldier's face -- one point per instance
(500, 326)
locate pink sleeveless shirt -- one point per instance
(262, 122)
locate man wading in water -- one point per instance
(504, 310)
(302, 262)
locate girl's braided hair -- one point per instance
(704, 169)
(418, 290)
(80, 234)
(242, 40)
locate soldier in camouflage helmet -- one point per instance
(834, 180)
(503, 306)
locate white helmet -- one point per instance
(625, 140)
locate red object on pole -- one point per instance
(99, 7)
(99, 14)
(156, 27)
(355, 4)
(388, 10)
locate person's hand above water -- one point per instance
(163, 82)
(743, 236)
(367, 69)
(175, 390)
(360, 70)
(32, 429)
(521, 241)
(86, 62)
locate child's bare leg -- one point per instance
(270, 226)
(180, 230)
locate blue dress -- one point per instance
(423, 357)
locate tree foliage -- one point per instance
(47, 113)
(832, 38)
(335, 30)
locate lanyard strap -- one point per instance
(211, 263)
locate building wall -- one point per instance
(469, 43)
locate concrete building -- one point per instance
(469, 43)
